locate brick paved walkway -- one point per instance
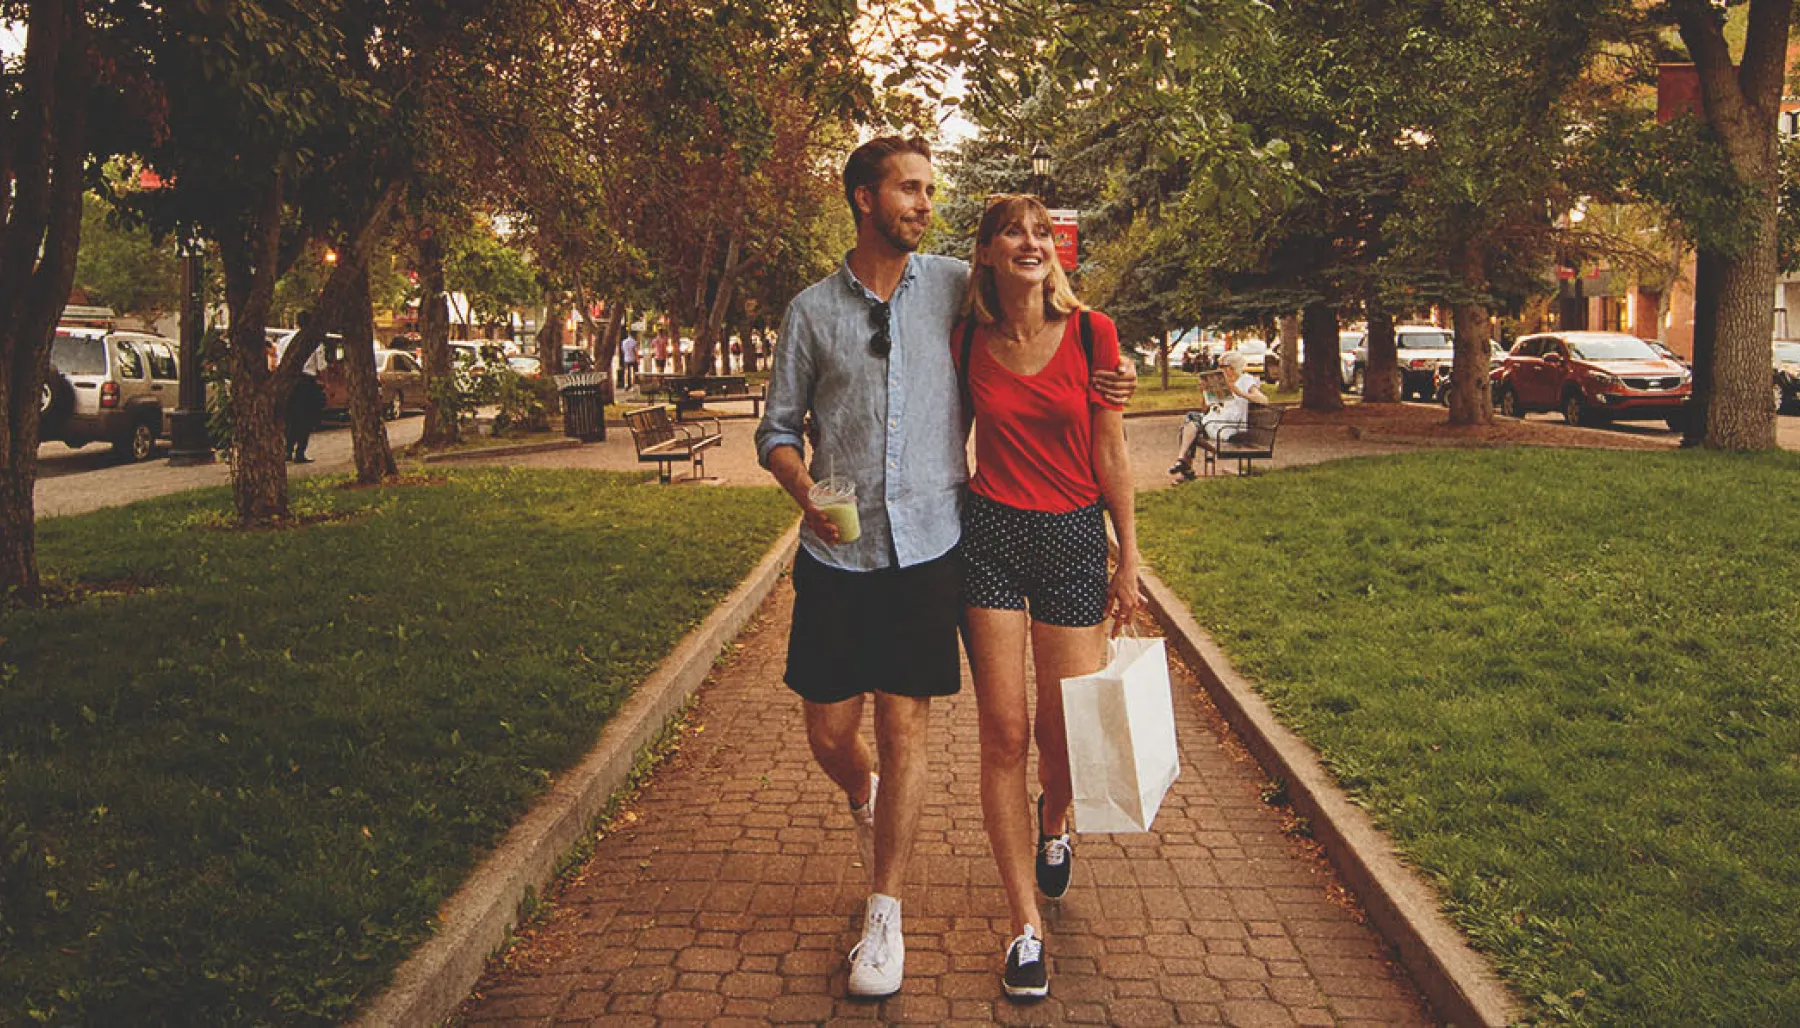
(730, 893)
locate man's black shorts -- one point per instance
(892, 630)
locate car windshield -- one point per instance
(1612, 348)
(78, 355)
(1787, 353)
(1422, 340)
(1349, 341)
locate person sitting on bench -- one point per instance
(1230, 416)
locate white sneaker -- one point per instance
(864, 816)
(878, 962)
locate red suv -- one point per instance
(1592, 378)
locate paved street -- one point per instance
(77, 481)
(730, 892)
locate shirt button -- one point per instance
(893, 422)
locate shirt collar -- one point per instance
(855, 285)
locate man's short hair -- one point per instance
(868, 164)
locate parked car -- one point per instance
(1787, 376)
(402, 383)
(109, 386)
(1419, 349)
(575, 359)
(1592, 378)
(1347, 345)
(530, 367)
(472, 357)
(1256, 356)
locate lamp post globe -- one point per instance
(1040, 170)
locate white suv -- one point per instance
(109, 386)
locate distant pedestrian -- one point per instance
(628, 361)
(305, 404)
(659, 348)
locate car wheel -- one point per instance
(1676, 423)
(139, 445)
(1576, 412)
(392, 409)
(1509, 403)
(1356, 380)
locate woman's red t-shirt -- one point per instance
(1034, 433)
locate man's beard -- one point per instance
(890, 229)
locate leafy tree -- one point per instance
(122, 267)
(495, 276)
(67, 101)
(1741, 101)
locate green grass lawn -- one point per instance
(1183, 392)
(237, 782)
(1564, 681)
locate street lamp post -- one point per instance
(1040, 172)
(191, 444)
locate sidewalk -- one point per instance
(731, 893)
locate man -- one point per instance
(628, 360)
(306, 402)
(866, 353)
(660, 348)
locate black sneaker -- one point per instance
(1055, 860)
(1027, 976)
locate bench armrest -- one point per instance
(696, 429)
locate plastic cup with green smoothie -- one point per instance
(836, 499)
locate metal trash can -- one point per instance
(585, 395)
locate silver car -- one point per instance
(109, 386)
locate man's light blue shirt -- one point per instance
(894, 426)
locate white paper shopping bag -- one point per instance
(1121, 729)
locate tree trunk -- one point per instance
(549, 344)
(258, 395)
(1708, 265)
(46, 137)
(441, 429)
(1324, 374)
(1742, 103)
(1288, 372)
(1739, 415)
(1381, 360)
(1162, 356)
(368, 436)
(710, 332)
(1471, 398)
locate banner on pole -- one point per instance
(1065, 226)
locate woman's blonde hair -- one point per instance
(1234, 360)
(981, 300)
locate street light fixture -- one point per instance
(190, 442)
(1040, 170)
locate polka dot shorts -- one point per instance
(1054, 562)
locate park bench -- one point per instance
(1254, 441)
(734, 387)
(659, 439)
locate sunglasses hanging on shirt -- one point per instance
(881, 344)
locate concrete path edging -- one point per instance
(1459, 982)
(429, 986)
(514, 450)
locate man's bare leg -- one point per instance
(900, 731)
(834, 730)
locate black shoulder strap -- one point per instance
(962, 368)
(1087, 338)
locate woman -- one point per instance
(1051, 460)
(1231, 416)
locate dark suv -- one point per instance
(1592, 378)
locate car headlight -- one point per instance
(1602, 378)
